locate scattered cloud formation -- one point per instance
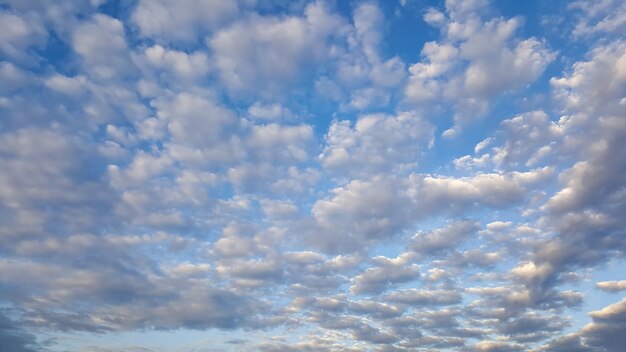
(312, 176)
(476, 60)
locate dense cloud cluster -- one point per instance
(280, 177)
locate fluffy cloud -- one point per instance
(418, 297)
(605, 333)
(181, 21)
(477, 61)
(386, 272)
(522, 141)
(376, 143)
(46, 168)
(443, 239)
(584, 212)
(598, 17)
(269, 52)
(101, 44)
(272, 169)
(611, 286)
(359, 212)
(19, 34)
(174, 65)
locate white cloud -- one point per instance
(475, 62)
(269, 52)
(522, 141)
(159, 174)
(194, 120)
(270, 112)
(182, 21)
(384, 273)
(362, 71)
(611, 286)
(18, 34)
(424, 297)
(102, 46)
(599, 16)
(376, 143)
(276, 142)
(176, 65)
(444, 239)
(458, 194)
(359, 212)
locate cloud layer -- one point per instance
(312, 176)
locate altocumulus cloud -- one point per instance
(312, 176)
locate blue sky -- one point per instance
(257, 175)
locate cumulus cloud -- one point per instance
(476, 61)
(522, 141)
(584, 212)
(368, 78)
(101, 43)
(20, 33)
(270, 51)
(386, 272)
(272, 169)
(424, 297)
(607, 329)
(611, 286)
(605, 333)
(174, 65)
(376, 143)
(45, 168)
(598, 17)
(361, 211)
(185, 21)
(443, 239)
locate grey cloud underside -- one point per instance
(147, 186)
(13, 337)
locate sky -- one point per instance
(273, 175)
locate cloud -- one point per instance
(607, 329)
(444, 239)
(598, 17)
(44, 169)
(364, 77)
(19, 34)
(456, 195)
(522, 141)
(359, 212)
(174, 65)
(584, 212)
(183, 22)
(367, 211)
(605, 333)
(376, 143)
(283, 45)
(103, 61)
(424, 297)
(611, 286)
(12, 338)
(273, 169)
(121, 300)
(475, 61)
(385, 273)
(497, 346)
(270, 112)
(570, 342)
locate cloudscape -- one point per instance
(325, 175)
